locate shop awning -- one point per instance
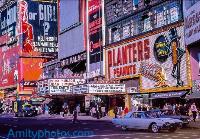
(168, 95)
(193, 95)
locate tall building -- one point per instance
(192, 39)
(28, 37)
(145, 49)
(68, 69)
(80, 27)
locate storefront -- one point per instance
(192, 40)
(103, 94)
(158, 60)
(60, 91)
(158, 100)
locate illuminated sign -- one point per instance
(191, 12)
(160, 62)
(161, 49)
(8, 19)
(99, 88)
(95, 34)
(63, 86)
(9, 64)
(38, 26)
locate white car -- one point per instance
(142, 120)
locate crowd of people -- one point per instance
(180, 109)
(99, 110)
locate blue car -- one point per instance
(169, 114)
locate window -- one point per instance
(147, 25)
(135, 4)
(115, 33)
(134, 26)
(174, 12)
(125, 6)
(126, 29)
(160, 16)
(115, 9)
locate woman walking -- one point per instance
(194, 110)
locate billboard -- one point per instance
(98, 88)
(9, 64)
(95, 35)
(37, 26)
(192, 20)
(8, 20)
(159, 60)
(58, 86)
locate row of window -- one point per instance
(117, 9)
(156, 17)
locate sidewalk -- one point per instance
(7, 115)
(195, 124)
(44, 116)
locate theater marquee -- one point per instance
(159, 60)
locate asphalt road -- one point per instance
(23, 128)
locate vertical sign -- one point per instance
(38, 26)
(8, 17)
(95, 36)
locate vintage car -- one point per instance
(24, 109)
(142, 120)
(159, 113)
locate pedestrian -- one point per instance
(97, 112)
(194, 111)
(75, 116)
(139, 107)
(125, 110)
(103, 110)
(46, 109)
(78, 109)
(115, 111)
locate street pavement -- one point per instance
(100, 128)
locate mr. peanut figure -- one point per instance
(177, 53)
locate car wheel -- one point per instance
(124, 128)
(154, 128)
(172, 129)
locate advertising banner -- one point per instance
(38, 26)
(80, 89)
(9, 64)
(63, 86)
(42, 87)
(107, 88)
(8, 20)
(191, 12)
(99, 88)
(160, 60)
(95, 35)
(196, 86)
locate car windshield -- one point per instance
(151, 114)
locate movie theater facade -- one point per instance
(156, 63)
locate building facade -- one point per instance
(192, 39)
(28, 36)
(145, 49)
